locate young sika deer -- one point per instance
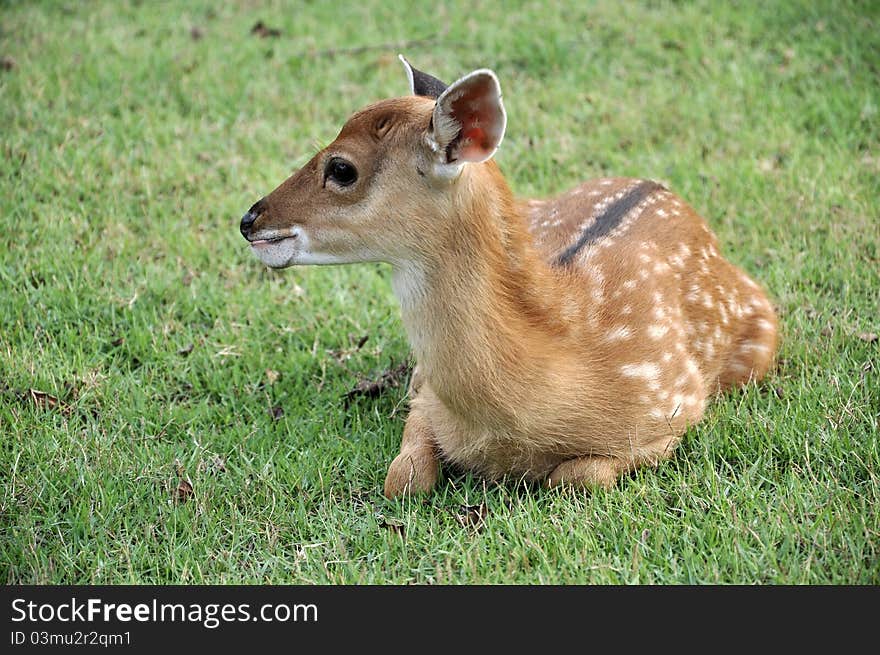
(565, 340)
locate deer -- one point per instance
(568, 340)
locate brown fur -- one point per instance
(575, 373)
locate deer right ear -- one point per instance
(469, 119)
(422, 84)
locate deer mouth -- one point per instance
(279, 249)
(264, 242)
(272, 240)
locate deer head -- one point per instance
(388, 182)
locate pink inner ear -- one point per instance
(474, 144)
(474, 133)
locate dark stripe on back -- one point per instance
(610, 219)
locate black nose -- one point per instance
(247, 221)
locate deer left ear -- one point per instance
(422, 84)
(469, 119)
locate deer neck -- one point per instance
(482, 309)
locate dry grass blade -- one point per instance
(45, 400)
(391, 378)
(472, 516)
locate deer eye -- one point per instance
(340, 171)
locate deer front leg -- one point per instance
(590, 471)
(416, 468)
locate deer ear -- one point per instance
(469, 119)
(422, 84)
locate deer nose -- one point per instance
(247, 221)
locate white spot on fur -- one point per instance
(760, 347)
(619, 333)
(646, 370)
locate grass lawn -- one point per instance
(172, 412)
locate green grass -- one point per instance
(129, 151)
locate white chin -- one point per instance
(277, 254)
